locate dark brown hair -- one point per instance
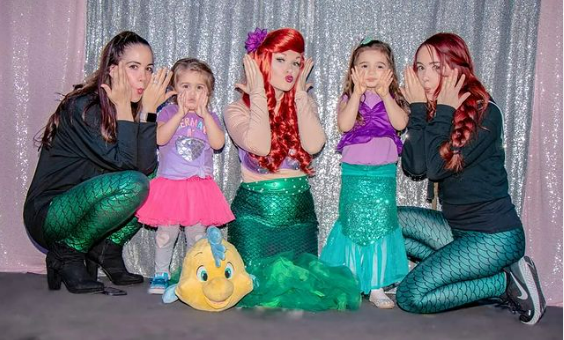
(111, 55)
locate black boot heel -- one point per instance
(92, 269)
(53, 277)
(66, 265)
(108, 256)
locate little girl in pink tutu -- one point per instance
(184, 192)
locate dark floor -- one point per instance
(29, 311)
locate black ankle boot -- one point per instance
(108, 256)
(67, 265)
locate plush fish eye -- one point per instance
(202, 274)
(229, 270)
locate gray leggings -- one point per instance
(165, 240)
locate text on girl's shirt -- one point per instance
(192, 124)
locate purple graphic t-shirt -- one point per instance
(188, 152)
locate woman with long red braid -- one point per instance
(474, 248)
(277, 130)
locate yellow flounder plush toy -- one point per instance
(213, 276)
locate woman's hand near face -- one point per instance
(119, 92)
(450, 90)
(358, 79)
(412, 91)
(255, 81)
(155, 94)
(301, 84)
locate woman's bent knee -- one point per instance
(407, 300)
(135, 183)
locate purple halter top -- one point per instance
(252, 164)
(375, 123)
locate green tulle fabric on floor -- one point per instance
(302, 282)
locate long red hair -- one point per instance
(453, 51)
(284, 123)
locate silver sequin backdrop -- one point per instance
(501, 36)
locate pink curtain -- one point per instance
(42, 44)
(43, 54)
(542, 204)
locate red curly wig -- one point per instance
(284, 123)
(452, 51)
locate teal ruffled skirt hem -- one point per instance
(376, 265)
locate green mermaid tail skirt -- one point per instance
(273, 217)
(275, 231)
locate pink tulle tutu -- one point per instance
(186, 202)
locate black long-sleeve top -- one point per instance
(78, 152)
(476, 198)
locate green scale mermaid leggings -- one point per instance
(457, 267)
(100, 207)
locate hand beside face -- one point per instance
(412, 89)
(254, 78)
(119, 92)
(450, 90)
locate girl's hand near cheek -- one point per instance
(202, 104)
(181, 99)
(216, 136)
(358, 80)
(383, 84)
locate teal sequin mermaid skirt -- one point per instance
(366, 237)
